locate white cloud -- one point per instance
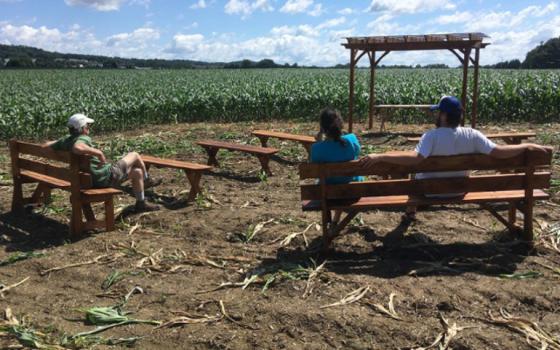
(410, 6)
(296, 6)
(100, 5)
(346, 11)
(457, 17)
(138, 37)
(200, 4)
(246, 7)
(302, 6)
(316, 11)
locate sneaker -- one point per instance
(151, 182)
(142, 206)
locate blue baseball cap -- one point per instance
(448, 104)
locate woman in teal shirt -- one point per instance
(334, 147)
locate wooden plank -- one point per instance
(49, 180)
(366, 203)
(17, 194)
(237, 147)
(62, 173)
(498, 182)
(519, 135)
(431, 164)
(38, 151)
(403, 106)
(412, 46)
(284, 136)
(173, 163)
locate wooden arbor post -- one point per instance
(474, 112)
(371, 88)
(351, 96)
(466, 56)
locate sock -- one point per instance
(139, 196)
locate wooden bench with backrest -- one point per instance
(305, 140)
(511, 138)
(519, 189)
(71, 176)
(262, 153)
(192, 170)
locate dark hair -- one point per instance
(331, 125)
(74, 132)
(454, 118)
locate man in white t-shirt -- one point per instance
(448, 138)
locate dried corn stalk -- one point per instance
(349, 298)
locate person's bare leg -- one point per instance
(133, 160)
(136, 176)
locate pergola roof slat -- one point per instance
(417, 42)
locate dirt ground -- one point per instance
(452, 264)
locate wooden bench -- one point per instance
(262, 153)
(68, 177)
(192, 170)
(519, 189)
(305, 140)
(382, 116)
(511, 138)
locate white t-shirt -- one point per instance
(449, 142)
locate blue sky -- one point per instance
(304, 31)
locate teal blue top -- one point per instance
(330, 151)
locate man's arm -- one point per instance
(397, 158)
(81, 148)
(508, 151)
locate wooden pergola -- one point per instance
(461, 45)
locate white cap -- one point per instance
(78, 121)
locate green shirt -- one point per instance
(101, 174)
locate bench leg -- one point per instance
(109, 214)
(264, 160)
(194, 180)
(264, 140)
(76, 224)
(17, 197)
(212, 152)
(88, 212)
(512, 213)
(307, 147)
(330, 234)
(528, 221)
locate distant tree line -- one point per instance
(546, 55)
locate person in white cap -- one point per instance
(106, 174)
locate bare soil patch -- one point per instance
(453, 268)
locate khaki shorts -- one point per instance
(118, 173)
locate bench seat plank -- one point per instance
(515, 136)
(46, 179)
(364, 203)
(284, 136)
(262, 153)
(173, 163)
(192, 170)
(237, 147)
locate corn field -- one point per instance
(36, 103)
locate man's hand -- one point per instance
(535, 147)
(370, 160)
(102, 159)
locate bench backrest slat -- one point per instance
(58, 172)
(77, 168)
(498, 182)
(431, 164)
(37, 151)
